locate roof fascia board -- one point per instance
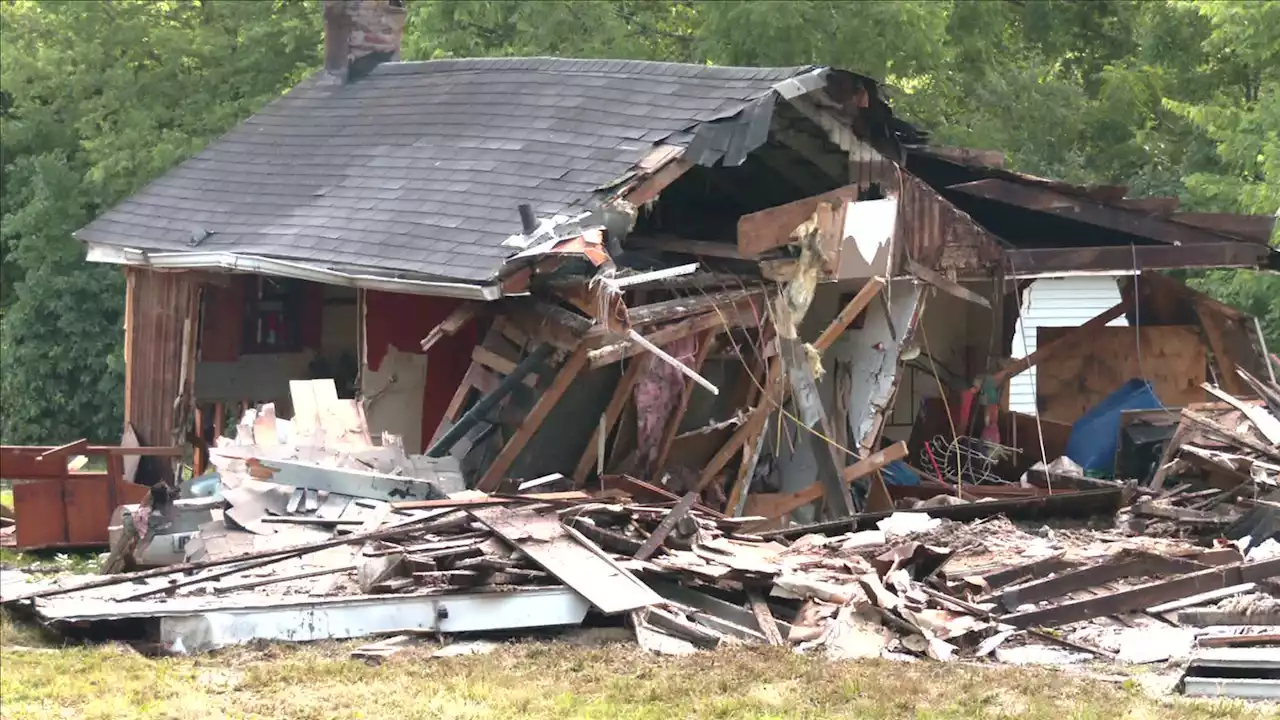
(1224, 254)
(1088, 211)
(236, 262)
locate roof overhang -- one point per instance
(236, 262)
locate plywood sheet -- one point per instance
(1172, 358)
(589, 572)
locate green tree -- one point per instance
(98, 99)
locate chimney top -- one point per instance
(361, 34)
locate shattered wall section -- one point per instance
(873, 354)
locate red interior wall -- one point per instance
(222, 321)
(402, 321)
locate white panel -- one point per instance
(393, 396)
(1055, 302)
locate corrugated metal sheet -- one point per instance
(939, 235)
(161, 325)
(1056, 302)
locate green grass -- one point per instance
(551, 680)
(51, 561)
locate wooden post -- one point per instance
(621, 394)
(1227, 376)
(497, 471)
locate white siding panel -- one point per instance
(1056, 302)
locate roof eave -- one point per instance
(237, 262)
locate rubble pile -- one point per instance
(339, 538)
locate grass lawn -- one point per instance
(549, 680)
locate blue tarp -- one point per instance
(1095, 435)
(899, 473)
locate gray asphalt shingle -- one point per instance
(418, 167)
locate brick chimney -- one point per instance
(360, 34)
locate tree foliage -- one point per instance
(98, 99)
(1171, 97)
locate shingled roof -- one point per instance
(418, 167)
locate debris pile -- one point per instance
(744, 514)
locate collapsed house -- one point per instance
(557, 334)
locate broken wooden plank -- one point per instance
(249, 584)
(486, 500)
(1265, 423)
(752, 440)
(1093, 576)
(654, 184)
(660, 533)
(1086, 210)
(1250, 640)
(737, 315)
(665, 357)
(499, 364)
(1221, 356)
(1070, 339)
(750, 429)
(456, 320)
(575, 561)
(1230, 434)
(621, 396)
(863, 467)
(568, 373)
(1145, 596)
(764, 618)
(850, 313)
(772, 227)
(813, 415)
(1203, 598)
(941, 282)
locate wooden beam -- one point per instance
(499, 364)
(865, 466)
(660, 533)
(850, 313)
(705, 341)
(651, 187)
(1145, 596)
(621, 396)
(1070, 339)
(1261, 418)
(680, 307)
(764, 617)
(1088, 211)
(1227, 375)
(1163, 206)
(687, 247)
(456, 320)
(813, 415)
(1225, 254)
(940, 281)
(720, 320)
(1251, 228)
(752, 441)
(746, 431)
(497, 471)
(1142, 565)
(767, 229)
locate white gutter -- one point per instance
(235, 262)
